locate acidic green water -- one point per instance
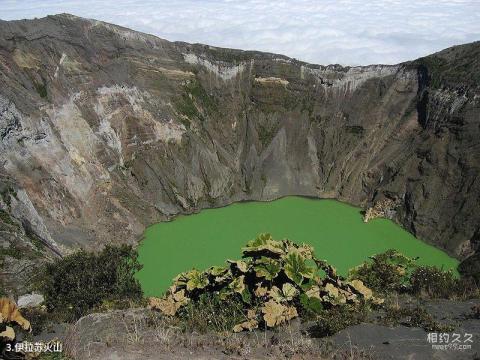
(336, 231)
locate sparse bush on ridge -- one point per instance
(385, 272)
(392, 271)
(433, 282)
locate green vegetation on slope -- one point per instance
(453, 66)
(82, 282)
(195, 103)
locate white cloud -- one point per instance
(348, 32)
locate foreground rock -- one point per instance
(402, 342)
(144, 334)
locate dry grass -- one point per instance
(132, 332)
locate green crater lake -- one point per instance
(336, 230)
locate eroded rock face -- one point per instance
(104, 131)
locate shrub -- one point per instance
(331, 321)
(433, 282)
(41, 319)
(414, 317)
(386, 272)
(82, 281)
(393, 272)
(475, 314)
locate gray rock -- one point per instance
(398, 343)
(30, 300)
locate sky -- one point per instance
(347, 32)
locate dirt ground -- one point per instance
(144, 334)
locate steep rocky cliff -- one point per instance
(104, 131)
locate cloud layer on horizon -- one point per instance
(349, 32)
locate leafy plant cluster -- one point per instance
(274, 280)
(265, 135)
(80, 282)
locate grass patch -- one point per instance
(41, 90)
(11, 251)
(335, 319)
(39, 245)
(198, 92)
(53, 356)
(6, 191)
(265, 135)
(414, 317)
(211, 313)
(195, 102)
(6, 218)
(355, 130)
